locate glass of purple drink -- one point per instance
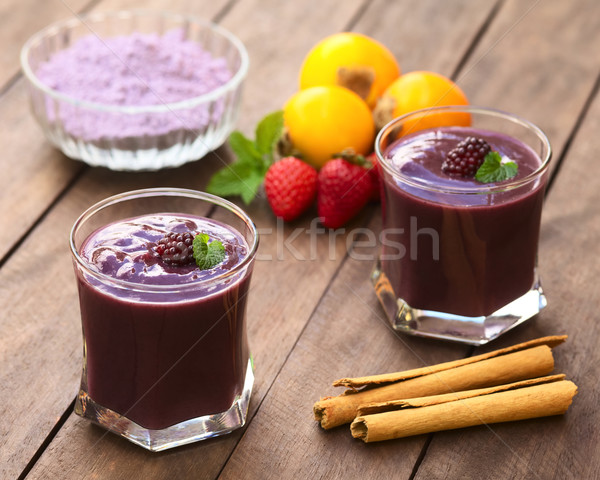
(165, 359)
(459, 256)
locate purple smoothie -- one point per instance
(448, 249)
(163, 344)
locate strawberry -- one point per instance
(344, 189)
(375, 175)
(291, 186)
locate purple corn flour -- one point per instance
(134, 70)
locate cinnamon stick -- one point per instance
(372, 408)
(492, 370)
(552, 341)
(532, 399)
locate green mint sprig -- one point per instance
(494, 170)
(207, 255)
(254, 157)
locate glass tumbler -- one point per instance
(165, 353)
(459, 257)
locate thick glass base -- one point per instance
(445, 326)
(192, 430)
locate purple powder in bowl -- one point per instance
(107, 91)
(134, 70)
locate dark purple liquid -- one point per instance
(163, 357)
(458, 253)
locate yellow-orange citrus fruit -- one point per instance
(352, 60)
(323, 121)
(420, 89)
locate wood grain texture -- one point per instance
(41, 339)
(286, 264)
(562, 447)
(555, 447)
(35, 172)
(347, 335)
(431, 36)
(47, 322)
(525, 63)
(19, 21)
(290, 453)
(313, 316)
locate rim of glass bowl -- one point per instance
(168, 192)
(191, 102)
(468, 190)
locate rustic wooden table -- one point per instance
(313, 316)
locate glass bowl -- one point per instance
(90, 123)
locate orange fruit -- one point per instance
(323, 121)
(420, 89)
(351, 60)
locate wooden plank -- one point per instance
(76, 440)
(205, 10)
(47, 322)
(538, 60)
(75, 451)
(41, 339)
(43, 172)
(276, 279)
(559, 447)
(33, 172)
(17, 24)
(282, 432)
(347, 334)
(431, 37)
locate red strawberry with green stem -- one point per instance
(344, 189)
(290, 186)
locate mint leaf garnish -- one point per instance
(254, 157)
(207, 255)
(494, 170)
(240, 178)
(268, 132)
(245, 149)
